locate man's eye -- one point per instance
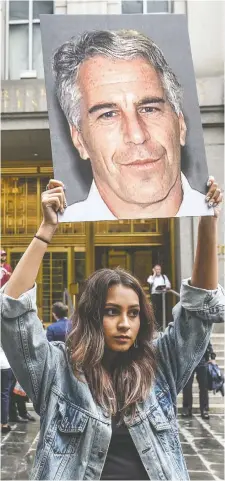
(108, 115)
(149, 110)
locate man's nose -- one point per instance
(134, 129)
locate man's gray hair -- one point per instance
(121, 44)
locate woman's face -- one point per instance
(121, 320)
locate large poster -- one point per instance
(124, 119)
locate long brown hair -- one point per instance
(133, 371)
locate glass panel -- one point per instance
(41, 7)
(19, 206)
(145, 225)
(54, 281)
(19, 10)
(18, 50)
(142, 264)
(79, 264)
(132, 6)
(14, 259)
(115, 227)
(37, 51)
(157, 7)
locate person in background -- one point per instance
(5, 269)
(58, 330)
(201, 374)
(158, 283)
(6, 381)
(17, 404)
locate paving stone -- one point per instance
(19, 449)
(213, 456)
(200, 476)
(207, 443)
(187, 449)
(194, 463)
(218, 470)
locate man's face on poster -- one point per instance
(128, 129)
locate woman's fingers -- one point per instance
(54, 183)
(49, 200)
(213, 196)
(56, 186)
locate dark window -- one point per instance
(157, 6)
(145, 6)
(132, 6)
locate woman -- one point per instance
(107, 399)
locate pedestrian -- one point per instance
(5, 269)
(107, 398)
(158, 284)
(17, 405)
(6, 381)
(201, 375)
(58, 330)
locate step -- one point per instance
(213, 409)
(218, 328)
(195, 390)
(213, 398)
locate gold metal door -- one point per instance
(118, 258)
(53, 278)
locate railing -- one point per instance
(67, 299)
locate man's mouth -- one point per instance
(142, 162)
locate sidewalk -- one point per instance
(202, 443)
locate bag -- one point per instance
(215, 378)
(19, 390)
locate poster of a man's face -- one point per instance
(126, 122)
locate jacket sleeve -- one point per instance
(180, 348)
(33, 359)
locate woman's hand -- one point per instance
(214, 196)
(53, 201)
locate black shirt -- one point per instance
(123, 460)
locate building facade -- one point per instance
(77, 249)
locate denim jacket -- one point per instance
(75, 432)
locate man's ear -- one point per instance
(78, 142)
(183, 129)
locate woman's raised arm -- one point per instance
(25, 273)
(205, 269)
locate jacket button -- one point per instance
(100, 454)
